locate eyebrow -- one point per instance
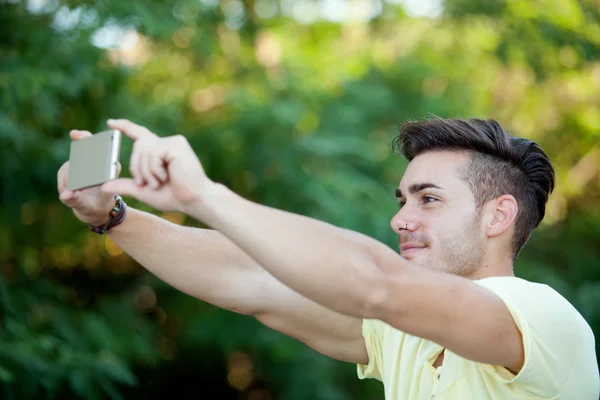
(417, 187)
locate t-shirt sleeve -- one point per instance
(372, 331)
(552, 332)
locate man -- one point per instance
(445, 319)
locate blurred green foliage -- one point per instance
(289, 109)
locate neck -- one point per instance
(493, 267)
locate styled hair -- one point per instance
(500, 164)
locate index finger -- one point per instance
(77, 134)
(131, 130)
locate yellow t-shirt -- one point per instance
(560, 356)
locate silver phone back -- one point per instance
(93, 160)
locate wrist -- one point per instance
(116, 216)
(103, 217)
(205, 206)
(99, 222)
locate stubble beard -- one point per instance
(461, 254)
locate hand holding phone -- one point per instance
(94, 160)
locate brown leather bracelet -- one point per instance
(116, 216)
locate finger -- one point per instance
(131, 130)
(157, 167)
(145, 170)
(134, 164)
(61, 177)
(71, 199)
(123, 186)
(66, 195)
(149, 177)
(76, 134)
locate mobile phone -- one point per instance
(93, 160)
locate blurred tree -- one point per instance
(292, 106)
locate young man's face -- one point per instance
(438, 222)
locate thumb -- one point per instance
(123, 186)
(76, 134)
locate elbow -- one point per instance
(380, 287)
(376, 296)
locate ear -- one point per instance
(503, 212)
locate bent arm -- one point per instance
(206, 265)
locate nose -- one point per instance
(400, 223)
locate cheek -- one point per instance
(463, 215)
(451, 229)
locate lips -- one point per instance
(408, 250)
(407, 246)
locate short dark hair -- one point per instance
(500, 164)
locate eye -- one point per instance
(401, 203)
(428, 199)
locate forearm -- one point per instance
(332, 266)
(207, 265)
(202, 263)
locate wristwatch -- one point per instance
(116, 216)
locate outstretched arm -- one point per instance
(207, 265)
(347, 272)
(359, 276)
(333, 266)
